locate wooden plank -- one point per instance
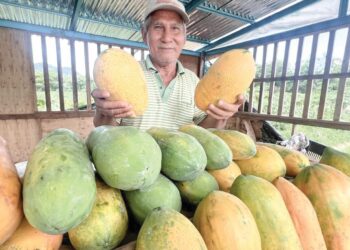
(87, 76)
(295, 120)
(261, 91)
(303, 77)
(251, 89)
(325, 81)
(296, 73)
(17, 80)
(52, 115)
(142, 54)
(74, 75)
(283, 83)
(309, 82)
(59, 74)
(21, 137)
(272, 82)
(46, 74)
(342, 81)
(80, 125)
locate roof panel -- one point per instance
(34, 16)
(210, 21)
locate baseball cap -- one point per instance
(174, 5)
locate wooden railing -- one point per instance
(306, 91)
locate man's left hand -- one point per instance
(224, 110)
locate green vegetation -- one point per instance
(339, 139)
(67, 89)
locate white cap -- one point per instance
(173, 5)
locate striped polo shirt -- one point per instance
(171, 106)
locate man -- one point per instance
(170, 86)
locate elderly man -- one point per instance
(170, 86)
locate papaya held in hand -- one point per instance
(230, 75)
(121, 75)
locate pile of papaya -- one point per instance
(191, 188)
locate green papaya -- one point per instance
(59, 186)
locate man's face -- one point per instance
(165, 37)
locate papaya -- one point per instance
(11, 212)
(230, 75)
(193, 191)
(336, 159)
(27, 237)
(295, 160)
(303, 215)
(328, 189)
(106, 225)
(94, 135)
(218, 153)
(270, 213)
(165, 229)
(267, 163)
(226, 176)
(59, 186)
(127, 158)
(225, 222)
(162, 193)
(183, 157)
(241, 145)
(121, 75)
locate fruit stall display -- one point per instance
(123, 188)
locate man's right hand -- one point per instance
(107, 111)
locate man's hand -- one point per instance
(224, 110)
(106, 110)
(220, 113)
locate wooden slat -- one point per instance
(74, 75)
(49, 115)
(283, 83)
(325, 81)
(87, 76)
(251, 89)
(59, 74)
(46, 74)
(296, 73)
(98, 48)
(295, 120)
(304, 77)
(342, 81)
(142, 54)
(263, 67)
(309, 81)
(272, 82)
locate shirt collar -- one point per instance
(149, 66)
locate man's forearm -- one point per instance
(210, 122)
(100, 120)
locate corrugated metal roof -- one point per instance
(121, 19)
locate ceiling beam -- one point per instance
(204, 6)
(214, 9)
(343, 8)
(121, 22)
(191, 6)
(75, 15)
(259, 24)
(78, 35)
